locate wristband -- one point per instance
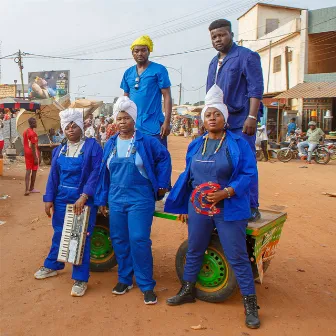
(228, 192)
(252, 117)
(84, 196)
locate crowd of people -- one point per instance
(133, 171)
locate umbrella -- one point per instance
(47, 116)
(88, 106)
(19, 103)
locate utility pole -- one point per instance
(269, 65)
(18, 60)
(286, 68)
(180, 93)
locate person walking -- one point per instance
(146, 83)
(72, 180)
(263, 139)
(31, 154)
(224, 158)
(237, 71)
(135, 172)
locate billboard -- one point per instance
(7, 90)
(46, 84)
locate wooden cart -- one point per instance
(46, 152)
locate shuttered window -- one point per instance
(277, 64)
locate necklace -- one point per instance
(73, 145)
(130, 146)
(218, 147)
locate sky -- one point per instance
(106, 28)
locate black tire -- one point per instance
(214, 293)
(285, 155)
(102, 253)
(322, 156)
(46, 156)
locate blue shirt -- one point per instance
(148, 97)
(240, 77)
(291, 127)
(122, 148)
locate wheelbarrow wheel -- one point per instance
(216, 281)
(46, 156)
(102, 257)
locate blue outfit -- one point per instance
(240, 78)
(233, 165)
(148, 97)
(131, 199)
(291, 127)
(66, 182)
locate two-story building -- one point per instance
(297, 47)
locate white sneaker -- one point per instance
(44, 273)
(79, 288)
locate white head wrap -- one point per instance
(214, 98)
(125, 104)
(72, 115)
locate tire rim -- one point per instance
(101, 247)
(214, 272)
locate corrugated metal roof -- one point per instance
(310, 90)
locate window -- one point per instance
(290, 56)
(271, 24)
(277, 64)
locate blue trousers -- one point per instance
(130, 229)
(232, 236)
(254, 187)
(80, 272)
(164, 140)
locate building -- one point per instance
(295, 46)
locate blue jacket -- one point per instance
(240, 77)
(244, 167)
(92, 158)
(156, 160)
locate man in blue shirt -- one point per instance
(237, 71)
(291, 126)
(145, 83)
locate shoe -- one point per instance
(121, 288)
(255, 215)
(185, 295)
(79, 288)
(251, 312)
(150, 297)
(308, 162)
(44, 273)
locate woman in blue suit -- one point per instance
(226, 159)
(72, 180)
(135, 172)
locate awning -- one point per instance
(310, 90)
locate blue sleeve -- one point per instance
(162, 164)
(254, 77)
(53, 178)
(247, 169)
(163, 78)
(96, 159)
(124, 85)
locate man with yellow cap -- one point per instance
(145, 83)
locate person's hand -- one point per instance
(48, 207)
(36, 161)
(165, 129)
(216, 196)
(250, 126)
(103, 210)
(79, 205)
(183, 218)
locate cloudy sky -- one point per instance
(105, 29)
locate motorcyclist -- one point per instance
(312, 139)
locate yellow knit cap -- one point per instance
(144, 40)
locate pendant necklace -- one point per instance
(218, 147)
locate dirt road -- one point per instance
(298, 296)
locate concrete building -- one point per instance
(295, 46)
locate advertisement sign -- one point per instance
(7, 90)
(47, 84)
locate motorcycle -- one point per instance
(332, 150)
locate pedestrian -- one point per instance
(313, 137)
(263, 139)
(72, 180)
(291, 126)
(111, 129)
(102, 135)
(135, 172)
(2, 139)
(225, 158)
(145, 83)
(237, 71)
(89, 130)
(31, 154)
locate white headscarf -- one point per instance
(72, 115)
(214, 98)
(125, 104)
